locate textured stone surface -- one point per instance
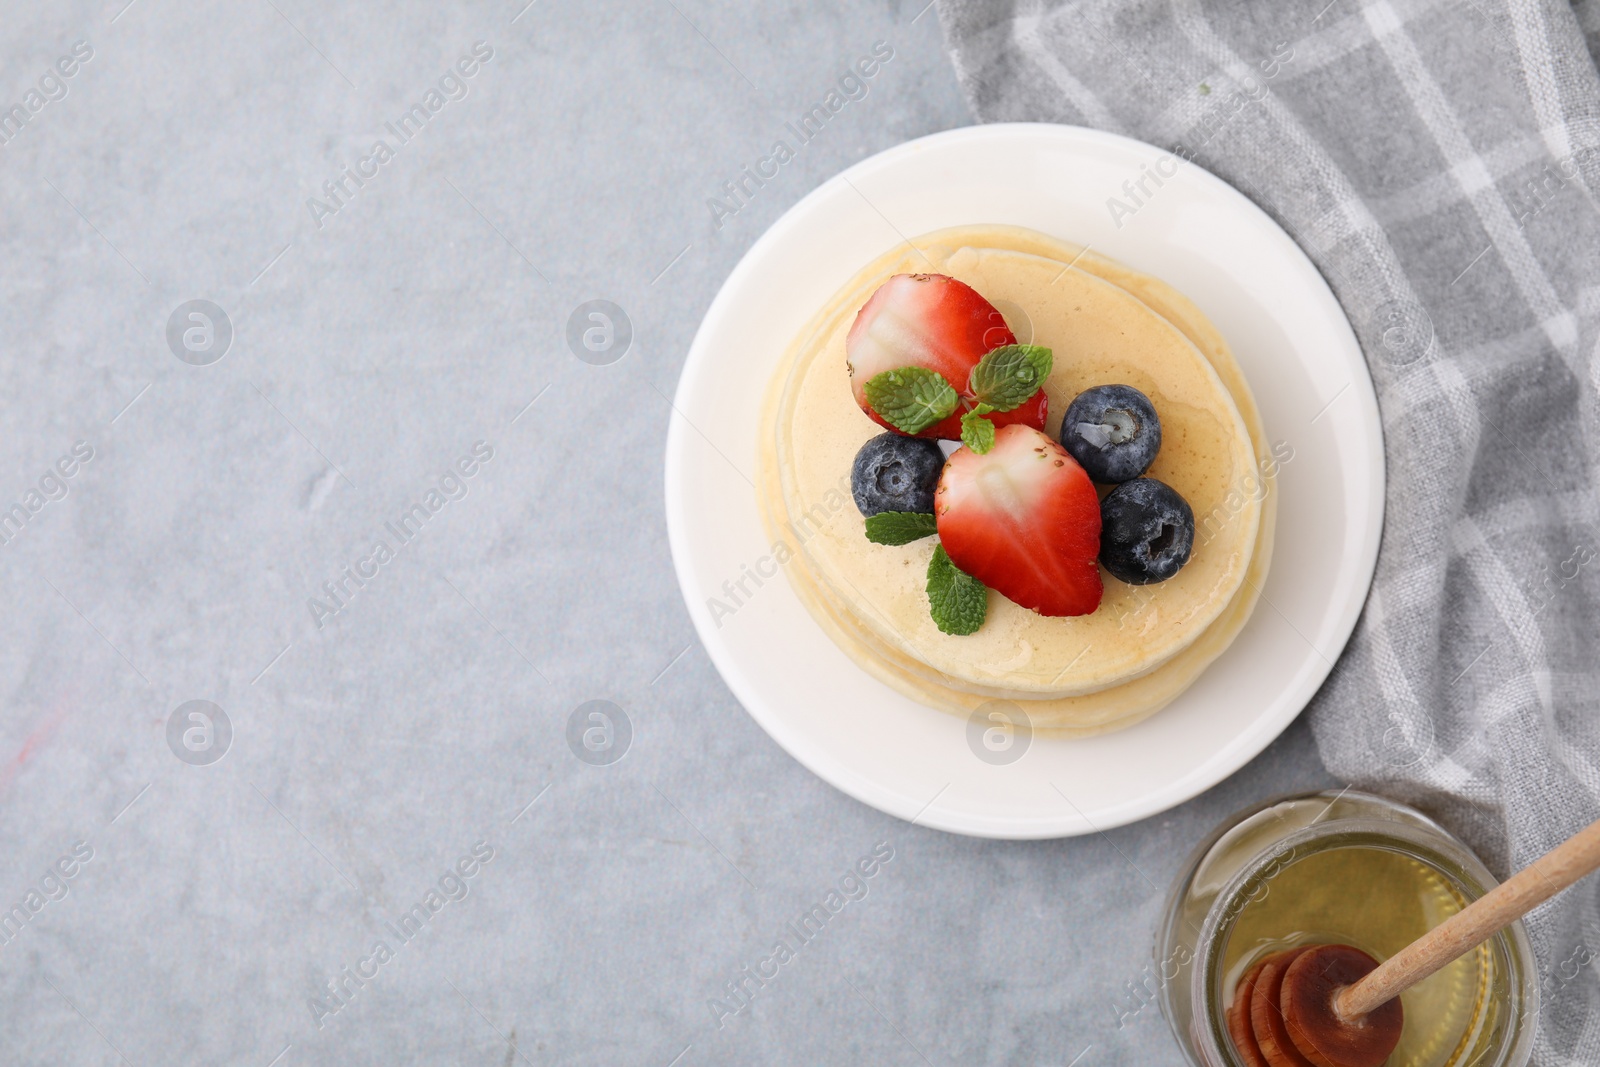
(370, 353)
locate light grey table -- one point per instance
(178, 908)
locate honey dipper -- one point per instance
(1336, 1006)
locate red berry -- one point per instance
(1023, 519)
(941, 324)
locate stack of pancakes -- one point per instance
(1105, 324)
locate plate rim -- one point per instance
(1226, 760)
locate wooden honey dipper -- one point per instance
(1336, 1006)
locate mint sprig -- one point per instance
(911, 398)
(1009, 375)
(900, 527)
(977, 432)
(957, 601)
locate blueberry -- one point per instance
(1112, 431)
(1146, 531)
(895, 473)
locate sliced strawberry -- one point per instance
(1023, 519)
(938, 323)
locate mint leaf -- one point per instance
(900, 527)
(957, 601)
(1010, 374)
(911, 398)
(977, 432)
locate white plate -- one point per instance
(1302, 361)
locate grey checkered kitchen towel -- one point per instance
(1439, 162)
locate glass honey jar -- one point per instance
(1342, 868)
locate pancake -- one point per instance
(1105, 323)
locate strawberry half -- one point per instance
(939, 324)
(1023, 519)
